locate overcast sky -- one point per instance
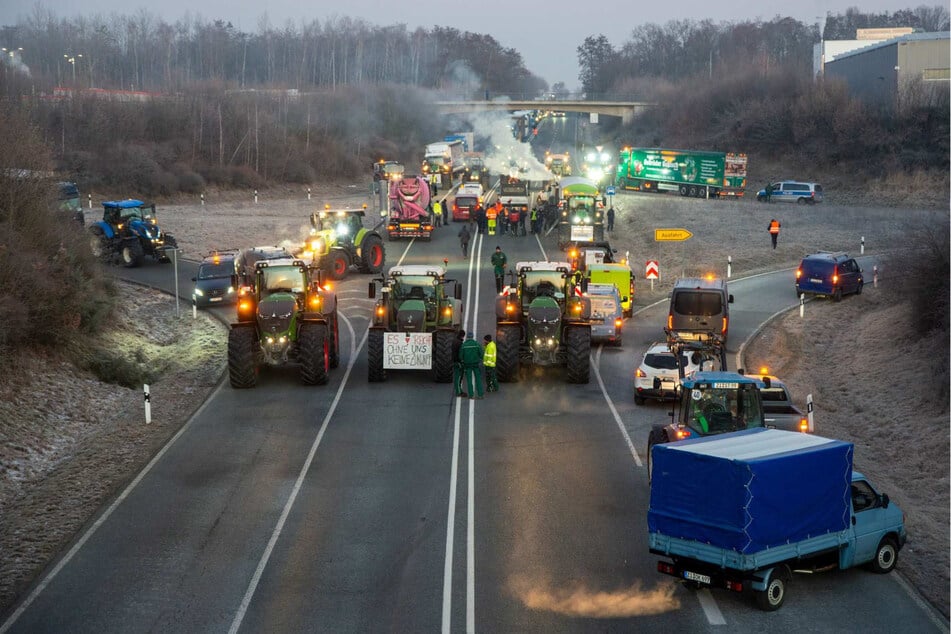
(546, 33)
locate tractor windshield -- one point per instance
(715, 408)
(413, 287)
(285, 279)
(538, 283)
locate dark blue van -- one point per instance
(829, 274)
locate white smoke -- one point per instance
(503, 153)
(11, 59)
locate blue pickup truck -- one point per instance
(742, 510)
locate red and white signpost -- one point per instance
(652, 272)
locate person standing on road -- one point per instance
(434, 184)
(457, 363)
(515, 217)
(437, 211)
(492, 215)
(534, 219)
(471, 356)
(498, 267)
(769, 192)
(611, 218)
(464, 239)
(488, 360)
(774, 231)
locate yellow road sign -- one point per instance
(671, 235)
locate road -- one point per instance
(357, 507)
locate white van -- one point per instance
(793, 192)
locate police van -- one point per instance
(793, 192)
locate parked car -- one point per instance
(793, 192)
(657, 376)
(829, 274)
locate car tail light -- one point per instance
(723, 330)
(640, 373)
(798, 273)
(670, 322)
(835, 278)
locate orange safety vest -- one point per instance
(492, 212)
(774, 226)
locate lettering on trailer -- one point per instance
(407, 350)
(652, 271)
(582, 233)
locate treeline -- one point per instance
(143, 52)
(688, 49)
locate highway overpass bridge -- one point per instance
(624, 109)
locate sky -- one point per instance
(547, 34)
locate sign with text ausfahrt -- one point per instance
(408, 350)
(671, 235)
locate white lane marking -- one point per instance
(710, 608)
(450, 526)
(614, 412)
(470, 531)
(406, 251)
(276, 534)
(105, 516)
(453, 475)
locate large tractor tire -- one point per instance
(578, 345)
(242, 369)
(442, 355)
(375, 371)
(506, 347)
(132, 253)
(372, 255)
(314, 354)
(98, 243)
(334, 332)
(338, 263)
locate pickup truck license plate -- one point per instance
(693, 576)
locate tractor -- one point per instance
(415, 322)
(542, 318)
(338, 240)
(128, 232)
(287, 317)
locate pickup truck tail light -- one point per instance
(666, 568)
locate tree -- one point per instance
(598, 60)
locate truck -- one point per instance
(711, 402)
(476, 170)
(410, 215)
(288, 317)
(446, 159)
(558, 164)
(581, 211)
(780, 412)
(384, 170)
(543, 319)
(415, 322)
(467, 138)
(688, 172)
(514, 194)
(742, 511)
(128, 232)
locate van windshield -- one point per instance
(700, 303)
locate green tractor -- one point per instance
(338, 240)
(543, 319)
(286, 318)
(415, 323)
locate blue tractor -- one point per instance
(128, 232)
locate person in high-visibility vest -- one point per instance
(488, 360)
(774, 231)
(491, 216)
(437, 211)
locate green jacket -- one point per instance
(498, 262)
(470, 353)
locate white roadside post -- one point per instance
(802, 304)
(148, 404)
(812, 426)
(255, 196)
(308, 193)
(178, 310)
(89, 196)
(194, 310)
(729, 266)
(875, 276)
(862, 250)
(203, 199)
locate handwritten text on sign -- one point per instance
(407, 350)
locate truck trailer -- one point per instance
(688, 172)
(742, 511)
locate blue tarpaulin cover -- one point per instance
(751, 490)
